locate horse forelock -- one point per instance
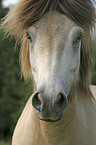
(26, 13)
(80, 11)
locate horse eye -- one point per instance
(78, 39)
(28, 36)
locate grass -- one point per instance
(4, 143)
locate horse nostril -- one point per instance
(61, 102)
(36, 101)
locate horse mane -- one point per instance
(28, 12)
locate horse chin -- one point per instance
(50, 120)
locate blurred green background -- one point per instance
(14, 92)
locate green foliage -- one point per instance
(3, 11)
(4, 143)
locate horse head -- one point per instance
(55, 43)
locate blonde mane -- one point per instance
(27, 13)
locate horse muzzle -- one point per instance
(50, 109)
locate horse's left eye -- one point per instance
(28, 36)
(77, 39)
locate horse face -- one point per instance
(55, 43)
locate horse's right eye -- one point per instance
(28, 36)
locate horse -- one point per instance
(56, 50)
